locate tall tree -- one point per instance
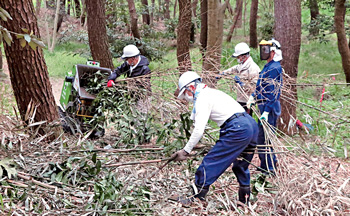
(314, 12)
(83, 13)
(183, 36)
(253, 35)
(61, 14)
(193, 24)
(288, 33)
(236, 20)
(133, 19)
(167, 9)
(211, 62)
(238, 12)
(27, 67)
(77, 8)
(98, 40)
(145, 14)
(339, 19)
(204, 26)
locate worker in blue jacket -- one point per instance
(267, 96)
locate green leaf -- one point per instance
(5, 13)
(33, 45)
(94, 156)
(7, 37)
(39, 42)
(7, 165)
(22, 42)
(25, 30)
(2, 16)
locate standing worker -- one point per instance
(238, 132)
(246, 74)
(135, 65)
(267, 96)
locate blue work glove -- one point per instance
(238, 80)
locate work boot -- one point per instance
(202, 192)
(244, 194)
(186, 201)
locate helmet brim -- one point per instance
(235, 55)
(181, 94)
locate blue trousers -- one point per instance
(267, 161)
(236, 136)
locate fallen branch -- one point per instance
(136, 162)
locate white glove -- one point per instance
(265, 116)
(250, 101)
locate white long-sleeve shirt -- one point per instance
(214, 105)
(249, 74)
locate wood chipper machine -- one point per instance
(76, 102)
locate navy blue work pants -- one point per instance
(268, 160)
(235, 137)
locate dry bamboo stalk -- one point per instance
(136, 162)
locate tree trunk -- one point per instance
(77, 8)
(98, 40)
(167, 9)
(238, 12)
(193, 26)
(68, 7)
(55, 23)
(175, 6)
(235, 22)
(183, 36)
(27, 67)
(204, 26)
(133, 19)
(253, 35)
(61, 14)
(288, 33)
(37, 8)
(314, 12)
(152, 12)
(211, 62)
(159, 9)
(343, 47)
(83, 13)
(145, 15)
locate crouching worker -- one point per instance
(135, 65)
(238, 132)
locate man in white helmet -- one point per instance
(267, 96)
(238, 132)
(246, 74)
(135, 65)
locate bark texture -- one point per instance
(253, 35)
(238, 12)
(211, 62)
(167, 9)
(343, 47)
(236, 20)
(28, 71)
(145, 15)
(288, 33)
(183, 36)
(98, 40)
(314, 12)
(77, 8)
(204, 26)
(133, 19)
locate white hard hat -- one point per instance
(275, 43)
(240, 49)
(130, 51)
(185, 79)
